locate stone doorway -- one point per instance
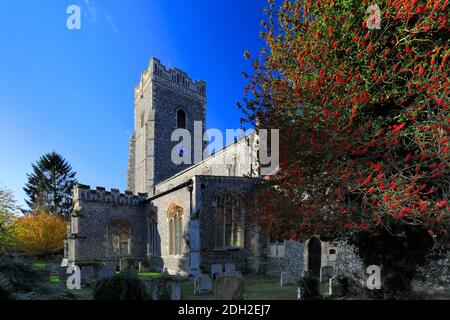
(314, 257)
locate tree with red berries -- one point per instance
(362, 104)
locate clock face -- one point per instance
(181, 150)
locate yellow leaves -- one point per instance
(40, 233)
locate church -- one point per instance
(186, 218)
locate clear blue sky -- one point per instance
(71, 91)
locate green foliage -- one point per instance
(20, 281)
(50, 185)
(22, 277)
(120, 287)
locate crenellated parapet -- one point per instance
(85, 194)
(173, 78)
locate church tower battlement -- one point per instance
(164, 99)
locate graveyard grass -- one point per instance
(257, 287)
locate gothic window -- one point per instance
(119, 237)
(229, 222)
(175, 216)
(153, 238)
(181, 119)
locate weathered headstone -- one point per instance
(229, 287)
(202, 284)
(125, 263)
(165, 288)
(216, 270)
(327, 273)
(230, 267)
(64, 262)
(287, 279)
(105, 272)
(143, 266)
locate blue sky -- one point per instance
(71, 91)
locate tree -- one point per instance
(8, 210)
(50, 185)
(40, 233)
(364, 122)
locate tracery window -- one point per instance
(175, 216)
(229, 222)
(119, 237)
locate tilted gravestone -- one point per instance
(216, 270)
(202, 284)
(287, 279)
(327, 273)
(229, 287)
(164, 288)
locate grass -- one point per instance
(256, 287)
(149, 275)
(40, 264)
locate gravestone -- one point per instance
(216, 270)
(287, 279)
(143, 266)
(64, 262)
(105, 272)
(229, 287)
(202, 284)
(164, 288)
(125, 263)
(327, 273)
(62, 275)
(230, 267)
(87, 273)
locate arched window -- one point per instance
(181, 119)
(229, 222)
(119, 237)
(175, 216)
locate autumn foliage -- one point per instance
(363, 116)
(40, 233)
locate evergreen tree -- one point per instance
(50, 185)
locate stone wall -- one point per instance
(159, 208)
(94, 210)
(208, 189)
(292, 261)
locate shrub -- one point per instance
(120, 287)
(40, 233)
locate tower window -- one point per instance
(181, 119)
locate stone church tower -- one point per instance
(164, 100)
